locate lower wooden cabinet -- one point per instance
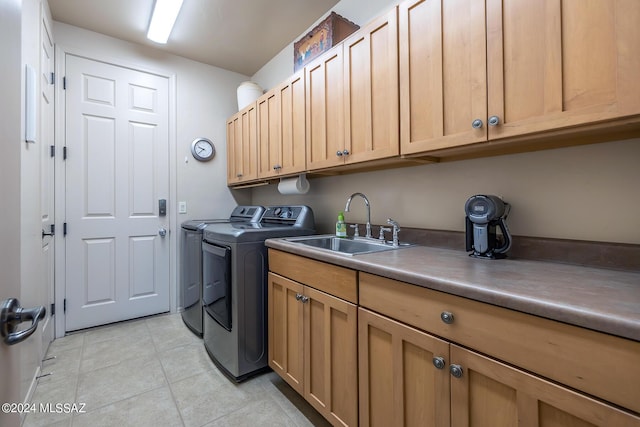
(410, 378)
(313, 347)
(399, 385)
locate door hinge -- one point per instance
(53, 78)
(64, 83)
(64, 229)
(52, 150)
(53, 309)
(64, 306)
(64, 153)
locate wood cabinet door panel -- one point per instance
(232, 124)
(292, 149)
(242, 146)
(371, 90)
(442, 74)
(325, 110)
(491, 393)
(286, 331)
(399, 385)
(554, 64)
(269, 133)
(331, 376)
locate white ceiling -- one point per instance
(237, 35)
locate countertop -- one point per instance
(599, 299)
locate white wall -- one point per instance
(585, 193)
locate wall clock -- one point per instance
(203, 149)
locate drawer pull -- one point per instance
(456, 371)
(439, 362)
(446, 317)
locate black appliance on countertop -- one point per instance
(485, 215)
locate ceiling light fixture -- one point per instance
(164, 16)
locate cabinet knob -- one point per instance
(345, 152)
(446, 317)
(239, 175)
(339, 153)
(277, 167)
(298, 297)
(476, 124)
(439, 362)
(456, 371)
(494, 121)
(304, 299)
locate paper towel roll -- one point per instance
(298, 185)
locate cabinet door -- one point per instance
(325, 110)
(442, 73)
(554, 64)
(269, 133)
(371, 90)
(293, 151)
(399, 384)
(242, 161)
(490, 393)
(331, 376)
(285, 316)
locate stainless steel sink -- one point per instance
(346, 245)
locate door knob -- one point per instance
(11, 315)
(162, 232)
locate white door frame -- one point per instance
(60, 196)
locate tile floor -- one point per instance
(155, 372)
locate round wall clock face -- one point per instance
(202, 149)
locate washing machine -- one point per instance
(190, 284)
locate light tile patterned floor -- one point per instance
(154, 372)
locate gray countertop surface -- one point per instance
(599, 299)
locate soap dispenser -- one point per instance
(341, 226)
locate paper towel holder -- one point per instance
(294, 185)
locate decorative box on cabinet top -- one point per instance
(323, 37)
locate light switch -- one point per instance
(182, 207)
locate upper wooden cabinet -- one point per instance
(352, 98)
(242, 147)
(513, 68)
(281, 129)
(371, 90)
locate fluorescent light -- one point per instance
(164, 16)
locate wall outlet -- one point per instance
(182, 207)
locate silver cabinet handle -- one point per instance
(239, 175)
(446, 317)
(339, 153)
(304, 299)
(494, 121)
(298, 297)
(162, 232)
(345, 152)
(439, 362)
(456, 371)
(11, 315)
(476, 124)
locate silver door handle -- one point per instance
(162, 232)
(11, 315)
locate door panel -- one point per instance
(442, 73)
(490, 393)
(555, 64)
(117, 170)
(47, 168)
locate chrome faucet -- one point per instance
(368, 206)
(396, 229)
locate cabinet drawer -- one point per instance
(337, 281)
(596, 363)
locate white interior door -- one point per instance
(47, 167)
(117, 170)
